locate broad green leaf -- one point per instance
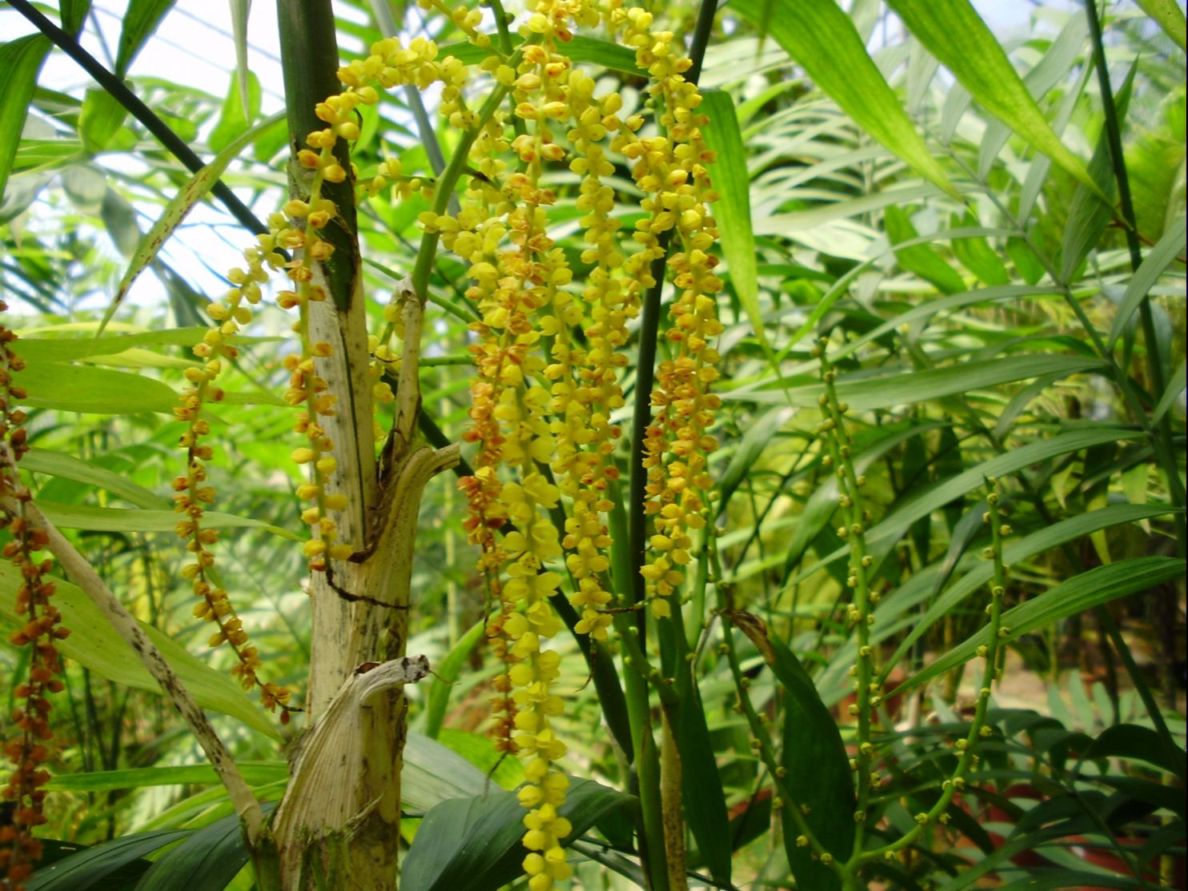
(865, 393)
(140, 21)
(100, 864)
(1088, 214)
(20, 63)
(816, 766)
(445, 673)
(473, 844)
(823, 40)
(957, 36)
(94, 644)
(255, 773)
(71, 468)
(1085, 591)
(434, 773)
(1133, 742)
(1169, 16)
(817, 770)
(206, 861)
(178, 207)
(101, 118)
(96, 390)
(922, 259)
(114, 519)
(701, 787)
(1144, 278)
(732, 182)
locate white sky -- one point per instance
(194, 46)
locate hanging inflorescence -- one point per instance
(28, 750)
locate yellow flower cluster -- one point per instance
(193, 493)
(671, 169)
(27, 750)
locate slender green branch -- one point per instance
(119, 91)
(1164, 447)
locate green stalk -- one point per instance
(1164, 448)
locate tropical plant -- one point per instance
(804, 399)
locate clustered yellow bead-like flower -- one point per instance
(194, 494)
(28, 749)
(671, 168)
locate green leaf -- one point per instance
(922, 259)
(240, 10)
(732, 182)
(73, 14)
(957, 36)
(101, 118)
(445, 673)
(1154, 264)
(823, 40)
(976, 255)
(94, 644)
(701, 787)
(864, 393)
(759, 435)
(115, 519)
(816, 766)
(206, 861)
(96, 390)
(1174, 388)
(97, 866)
(1169, 16)
(255, 773)
(71, 468)
(1089, 589)
(66, 346)
(473, 844)
(140, 21)
(178, 208)
(234, 118)
(1135, 743)
(20, 63)
(921, 585)
(1088, 214)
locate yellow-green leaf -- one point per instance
(1169, 16)
(732, 211)
(20, 62)
(960, 40)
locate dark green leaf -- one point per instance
(206, 861)
(73, 14)
(1135, 743)
(444, 675)
(702, 795)
(473, 844)
(1153, 266)
(93, 867)
(235, 120)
